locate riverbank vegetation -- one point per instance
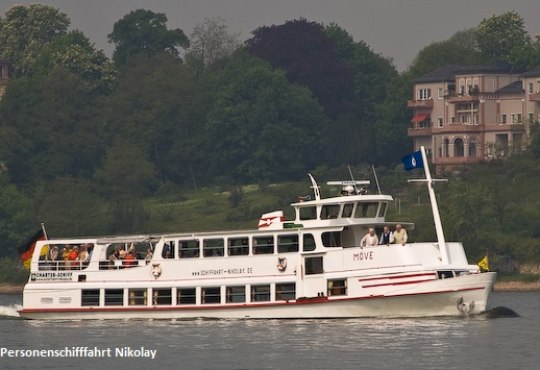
(167, 134)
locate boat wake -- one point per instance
(10, 311)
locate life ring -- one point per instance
(156, 270)
(282, 264)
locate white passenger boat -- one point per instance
(311, 267)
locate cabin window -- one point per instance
(186, 296)
(161, 296)
(211, 295)
(285, 291)
(137, 297)
(308, 243)
(314, 265)
(308, 213)
(260, 293)
(236, 294)
(238, 247)
(331, 239)
(188, 248)
(114, 297)
(329, 211)
(263, 245)
(337, 287)
(366, 210)
(90, 297)
(168, 250)
(213, 247)
(382, 210)
(347, 210)
(287, 243)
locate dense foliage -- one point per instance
(89, 144)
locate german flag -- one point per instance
(27, 249)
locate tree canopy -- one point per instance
(143, 32)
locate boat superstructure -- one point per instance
(312, 266)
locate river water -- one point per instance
(435, 343)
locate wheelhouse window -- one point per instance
(347, 210)
(211, 295)
(162, 296)
(238, 246)
(188, 248)
(287, 243)
(329, 211)
(314, 265)
(308, 213)
(331, 239)
(235, 294)
(186, 296)
(90, 297)
(213, 247)
(308, 242)
(260, 293)
(114, 297)
(382, 210)
(337, 287)
(366, 210)
(263, 245)
(285, 291)
(137, 297)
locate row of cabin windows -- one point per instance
(208, 295)
(332, 211)
(237, 246)
(188, 296)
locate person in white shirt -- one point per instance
(369, 239)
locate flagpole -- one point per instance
(435, 209)
(44, 231)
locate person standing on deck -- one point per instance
(370, 239)
(399, 236)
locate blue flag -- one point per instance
(413, 160)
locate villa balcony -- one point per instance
(463, 99)
(419, 131)
(428, 103)
(534, 97)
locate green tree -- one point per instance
(26, 31)
(75, 53)
(70, 207)
(48, 123)
(498, 35)
(461, 49)
(125, 178)
(16, 215)
(259, 126)
(157, 107)
(143, 32)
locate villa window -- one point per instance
(424, 94)
(459, 150)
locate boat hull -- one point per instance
(460, 296)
